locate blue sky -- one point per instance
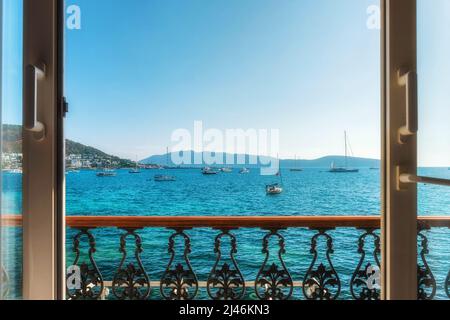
(12, 62)
(139, 69)
(137, 72)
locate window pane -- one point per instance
(434, 135)
(11, 148)
(159, 90)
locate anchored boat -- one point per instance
(273, 189)
(106, 173)
(136, 169)
(296, 169)
(209, 171)
(244, 171)
(164, 178)
(345, 168)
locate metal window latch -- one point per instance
(404, 179)
(411, 127)
(32, 76)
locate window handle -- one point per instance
(32, 76)
(406, 178)
(409, 81)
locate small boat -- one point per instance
(136, 169)
(209, 171)
(164, 178)
(273, 189)
(345, 168)
(72, 171)
(226, 170)
(106, 173)
(244, 171)
(374, 168)
(296, 169)
(334, 169)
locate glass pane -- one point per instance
(160, 90)
(11, 149)
(434, 136)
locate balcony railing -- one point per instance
(225, 281)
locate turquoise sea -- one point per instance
(311, 192)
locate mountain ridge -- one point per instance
(12, 141)
(322, 162)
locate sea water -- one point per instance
(309, 193)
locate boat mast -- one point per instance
(279, 169)
(167, 157)
(345, 141)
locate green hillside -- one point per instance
(12, 143)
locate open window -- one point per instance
(143, 181)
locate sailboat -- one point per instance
(106, 172)
(135, 169)
(345, 169)
(275, 188)
(208, 171)
(244, 171)
(162, 177)
(296, 169)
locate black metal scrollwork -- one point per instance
(426, 283)
(84, 281)
(178, 283)
(321, 283)
(226, 282)
(131, 282)
(364, 284)
(274, 281)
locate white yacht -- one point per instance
(273, 189)
(164, 178)
(344, 169)
(136, 169)
(106, 173)
(209, 171)
(244, 171)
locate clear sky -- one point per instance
(140, 69)
(434, 82)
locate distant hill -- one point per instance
(12, 143)
(323, 162)
(12, 138)
(73, 147)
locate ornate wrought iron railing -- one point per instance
(225, 281)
